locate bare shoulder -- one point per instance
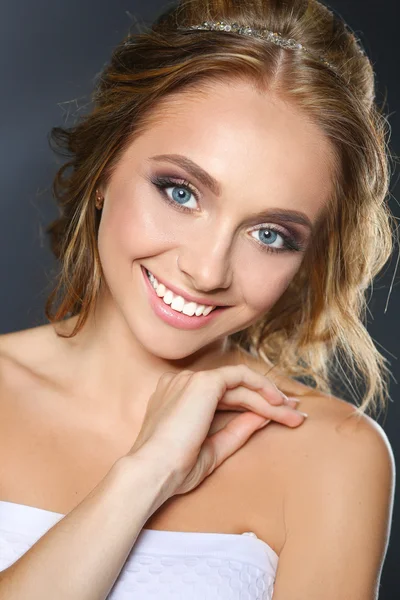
(334, 436)
(24, 358)
(337, 483)
(21, 343)
(332, 449)
(335, 430)
(12, 362)
(334, 454)
(332, 420)
(22, 380)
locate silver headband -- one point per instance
(271, 36)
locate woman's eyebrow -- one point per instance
(183, 161)
(284, 214)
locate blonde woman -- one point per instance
(222, 214)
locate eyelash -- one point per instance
(162, 183)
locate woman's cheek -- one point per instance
(267, 284)
(144, 228)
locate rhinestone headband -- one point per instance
(271, 36)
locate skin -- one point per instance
(308, 491)
(264, 154)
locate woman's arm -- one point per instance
(82, 555)
(338, 512)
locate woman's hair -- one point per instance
(319, 317)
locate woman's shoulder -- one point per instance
(334, 427)
(331, 420)
(334, 443)
(24, 342)
(322, 408)
(24, 355)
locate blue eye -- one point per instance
(183, 190)
(181, 195)
(179, 198)
(289, 243)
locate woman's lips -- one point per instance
(173, 317)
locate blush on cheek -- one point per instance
(141, 227)
(267, 291)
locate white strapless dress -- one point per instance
(162, 565)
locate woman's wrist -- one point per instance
(144, 481)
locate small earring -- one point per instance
(99, 200)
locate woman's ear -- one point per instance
(99, 199)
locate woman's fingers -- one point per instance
(251, 400)
(181, 412)
(235, 375)
(226, 441)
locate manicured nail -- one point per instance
(302, 413)
(293, 399)
(263, 424)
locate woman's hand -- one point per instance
(182, 408)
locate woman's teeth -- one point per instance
(177, 302)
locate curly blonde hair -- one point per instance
(320, 315)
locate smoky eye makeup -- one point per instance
(163, 182)
(293, 240)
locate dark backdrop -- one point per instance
(50, 52)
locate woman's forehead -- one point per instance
(239, 120)
(246, 141)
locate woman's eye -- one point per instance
(182, 196)
(268, 236)
(179, 194)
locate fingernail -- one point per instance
(293, 399)
(302, 413)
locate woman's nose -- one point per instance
(208, 269)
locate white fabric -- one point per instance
(162, 564)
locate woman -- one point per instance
(214, 205)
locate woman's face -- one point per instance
(258, 156)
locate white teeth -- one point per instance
(189, 309)
(199, 310)
(178, 302)
(161, 290)
(168, 297)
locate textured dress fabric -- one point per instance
(175, 565)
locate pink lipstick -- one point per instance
(173, 317)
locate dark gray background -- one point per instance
(50, 53)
